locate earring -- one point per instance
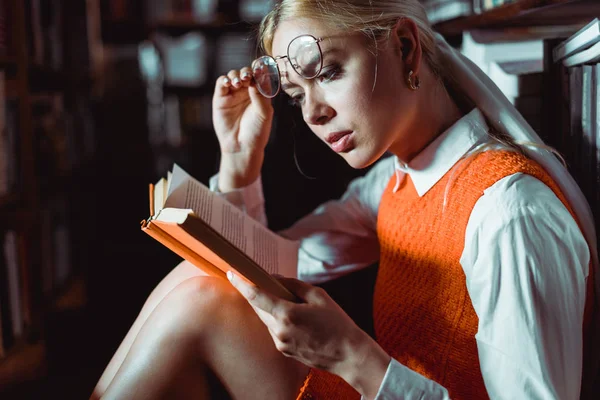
(413, 85)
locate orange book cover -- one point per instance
(206, 230)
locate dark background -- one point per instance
(113, 265)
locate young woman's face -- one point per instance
(359, 103)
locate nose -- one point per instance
(316, 111)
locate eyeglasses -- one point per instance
(304, 55)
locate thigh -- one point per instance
(179, 274)
(240, 350)
(203, 323)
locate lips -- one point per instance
(340, 141)
(335, 136)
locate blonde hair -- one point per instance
(377, 18)
(370, 17)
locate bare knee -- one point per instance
(201, 305)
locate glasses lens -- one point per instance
(266, 76)
(305, 56)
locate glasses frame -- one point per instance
(277, 58)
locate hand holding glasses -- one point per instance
(304, 55)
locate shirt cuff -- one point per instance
(401, 382)
(249, 199)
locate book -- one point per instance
(484, 50)
(588, 139)
(444, 10)
(556, 107)
(11, 252)
(4, 150)
(596, 158)
(215, 236)
(572, 146)
(587, 56)
(582, 39)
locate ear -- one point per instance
(405, 37)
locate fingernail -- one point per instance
(245, 75)
(236, 80)
(225, 80)
(230, 275)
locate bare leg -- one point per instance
(183, 271)
(205, 323)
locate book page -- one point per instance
(277, 255)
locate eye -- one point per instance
(330, 73)
(296, 100)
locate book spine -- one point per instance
(14, 282)
(588, 132)
(8, 337)
(4, 145)
(556, 107)
(596, 158)
(575, 132)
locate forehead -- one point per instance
(291, 29)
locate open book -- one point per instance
(215, 236)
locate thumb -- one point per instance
(307, 292)
(263, 104)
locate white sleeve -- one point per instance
(526, 263)
(401, 382)
(341, 236)
(338, 237)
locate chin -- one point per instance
(359, 159)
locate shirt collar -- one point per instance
(431, 164)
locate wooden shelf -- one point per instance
(24, 362)
(525, 13)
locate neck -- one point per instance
(436, 112)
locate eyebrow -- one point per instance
(284, 74)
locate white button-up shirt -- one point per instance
(525, 262)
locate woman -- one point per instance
(483, 277)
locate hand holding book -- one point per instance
(216, 237)
(318, 333)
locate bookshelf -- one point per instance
(524, 13)
(40, 58)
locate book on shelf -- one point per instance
(480, 6)
(582, 39)
(444, 10)
(596, 158)
(12, 292)
(185, 58)
(590, 55)
(483, 50)
(573, 143)
(211, 233)
(3, 139)
(4, 19)
(8, 141)
(588, 139)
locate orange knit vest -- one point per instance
(422, 312)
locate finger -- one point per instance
(265, 317)
(309, 293)
(236, 81)
(255, 296)
(246, 76)
(222, 85)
